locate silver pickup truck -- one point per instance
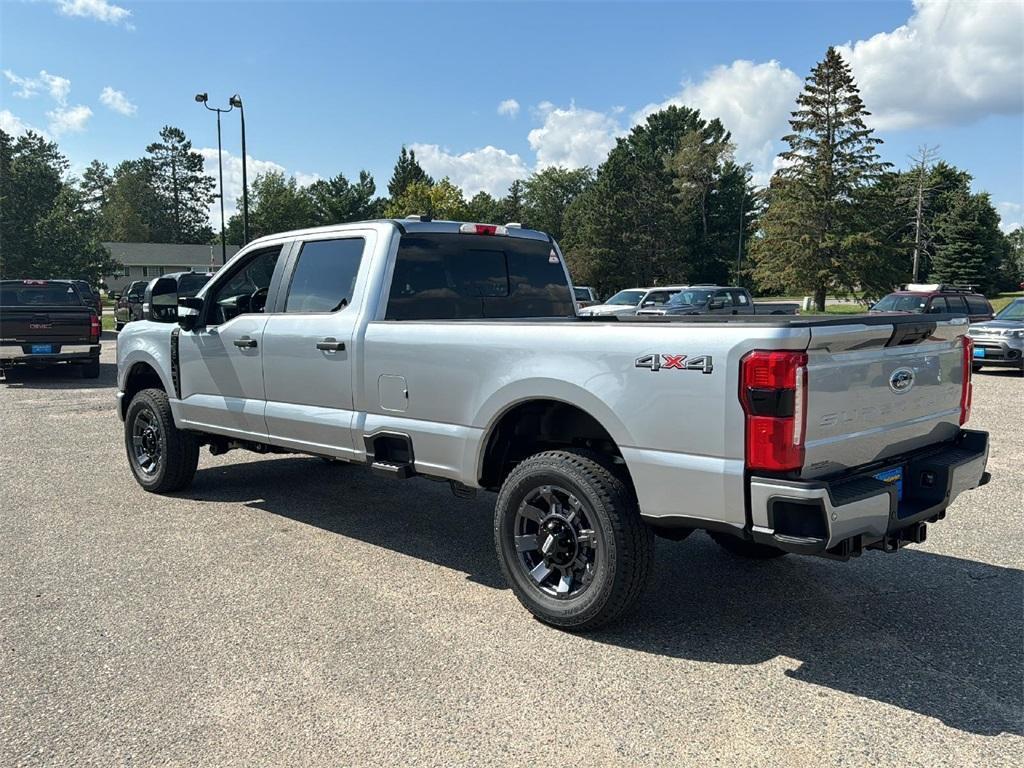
(453, 351)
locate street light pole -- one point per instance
(236, 101)
(202, 98)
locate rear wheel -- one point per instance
(743, 548)
(162, 457)
(570, 540)
(975, 367)
(91, 370)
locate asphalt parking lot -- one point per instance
(288, 612)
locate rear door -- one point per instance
(308, 344)
(870, 397)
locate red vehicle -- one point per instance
(937, 299)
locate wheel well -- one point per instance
(540, 425)
(141, 376)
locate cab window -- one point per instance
(325, 275)
(245, 290)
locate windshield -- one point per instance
(896, 302)
(689, 296)
(627, 298)
(189, 285)
(1012, 311)
(38, 293)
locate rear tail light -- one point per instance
(94, 328)
(483, 229)
(773, 392)
(967, 388)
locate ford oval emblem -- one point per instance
(901, 380)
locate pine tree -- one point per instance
(183, 186)
(970, 247)
(814, 230)
(407, 171)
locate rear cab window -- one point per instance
(38, 293)
(447, 276)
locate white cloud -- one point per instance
(508, 108)
(488, 170)
(753, 102)
(1009, 215)
(233, 179)
(117, 101)
(100, 10)
(69, 119)
(951, 63)
(27, 87)
(58, 87)
(14, 125)
(573, 137)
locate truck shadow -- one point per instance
(61, 376)
(936, 635)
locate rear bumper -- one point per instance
(1000, 353)
(843, 516)
(14, 354)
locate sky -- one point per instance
(488, 92)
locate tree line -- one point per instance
(670, 204)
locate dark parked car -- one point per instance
(718, 300)
(43, 322)
(90, 295)
(936, 299)
(129, 304)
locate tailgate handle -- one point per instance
(330, 344)
(910, 333)
(245, 342)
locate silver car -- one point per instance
(1000, 341)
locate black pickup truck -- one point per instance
(43, 322)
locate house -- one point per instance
(144, 261)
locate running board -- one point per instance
(392, 470)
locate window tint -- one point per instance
(659, 297)
(739, 298)
(977, 305)
(325, 275)
(724, 297)
(938, 306)
(15, 293)
(957, 305)
(456, 276)
(246, 289)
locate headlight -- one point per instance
(1015, 334)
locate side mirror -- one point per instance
(160, 301)
(190, 309)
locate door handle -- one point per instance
(330, 344)
(245, 342)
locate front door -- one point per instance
(221, 360)
(307, 354)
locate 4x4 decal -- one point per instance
(653, 363)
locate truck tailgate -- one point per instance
(877, 391)
(56, 325)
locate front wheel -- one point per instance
(162, 457)
(570, 540)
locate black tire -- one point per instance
(172, 454)
(614, 551)
(91, 370)
(975, 367)
(743, 548)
